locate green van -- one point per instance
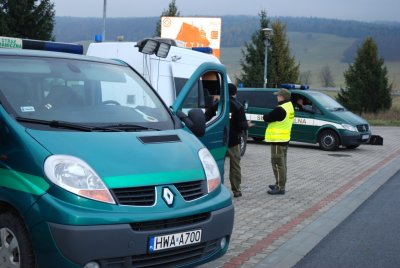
(95, 170)
(320, 120)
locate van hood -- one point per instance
(349, 118)
(126, 159)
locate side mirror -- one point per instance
(195, 121)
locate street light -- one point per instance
(104, 20)
(267, 32)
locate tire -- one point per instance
(328, 140)
(15, 246)
(257, 139)
(243, 142)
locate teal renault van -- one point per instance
(320, 120)
(95, 170)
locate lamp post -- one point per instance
(267, 32)
(104, 20)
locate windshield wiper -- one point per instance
(64, 124)
(130, 127)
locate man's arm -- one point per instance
(277, 114)
(244, 124)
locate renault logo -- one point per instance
(168, 196)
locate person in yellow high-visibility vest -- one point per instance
(277, 134)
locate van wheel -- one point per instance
(15, 247)
(257, 139)
(243, 142)
(328, 140)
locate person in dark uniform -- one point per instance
(238, 123)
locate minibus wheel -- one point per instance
(328, 140)
(15, 247)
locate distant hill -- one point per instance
(314, 42)
(236, 30)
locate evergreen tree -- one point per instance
(32, 19)
(172, 11)
(282, 66)
(252, 73)
(367, 86)
(3, 24)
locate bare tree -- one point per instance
(305, 77)
(326, 77)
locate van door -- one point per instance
(207, 89)
(303, 129)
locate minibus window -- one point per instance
(85, 92)
(205, 95)
(258, 99)
(327, 102)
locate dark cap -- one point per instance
(232, 89)
(284, 93)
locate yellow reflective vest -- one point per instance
(279, 131)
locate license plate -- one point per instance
(365, 137)
(174, 240)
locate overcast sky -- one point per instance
(362, 10)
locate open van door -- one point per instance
(207, 89)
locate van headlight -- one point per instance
(76, 176)
(210, 169)
(349, 127)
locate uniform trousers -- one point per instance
(279, 164)
(235, 175)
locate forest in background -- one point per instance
(315, 42)
(236, 30)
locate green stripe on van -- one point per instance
(23, 182)
(157, 178)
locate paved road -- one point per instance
(323, 188)
(368, 238)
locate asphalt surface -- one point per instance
(368, 238)
(322, 190)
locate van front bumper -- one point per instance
(128, 246)
(350, 138)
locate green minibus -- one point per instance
(320, 119)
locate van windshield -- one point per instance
(327, 102)
(81, 92)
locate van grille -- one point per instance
(136, 196)
(192, 190)
(363, 128)
(170, 223)
(168, 258)
(146, 195)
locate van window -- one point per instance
(205, 94)
(327, 102)
(258, 99)
(303, 104)
(93, 93)
(179, 83)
